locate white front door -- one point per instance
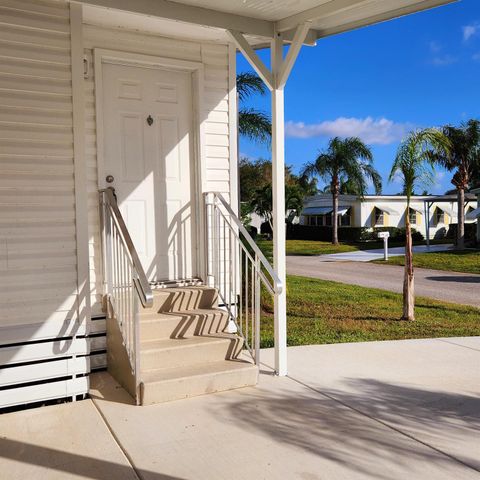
(147, 150)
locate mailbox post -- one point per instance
(385, 236)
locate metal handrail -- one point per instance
(238, 269)
(142, 285)
(277, 286)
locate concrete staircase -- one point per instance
(184, 350)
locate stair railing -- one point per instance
(238, 269)
(125, 282)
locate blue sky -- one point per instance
(378, 82)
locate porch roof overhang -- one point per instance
(261, 20)
(416, 209)
(473, 215)
(445, 209)
(324, 210)
(389, 210)
(317, 210)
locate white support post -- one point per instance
(275, 81)
(278, 189)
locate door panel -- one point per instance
(148, 145)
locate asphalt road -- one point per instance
(453, 287)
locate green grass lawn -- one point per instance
(320, 311)
(306, 247)
(464, 261)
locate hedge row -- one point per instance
(470, 232)
(347, 234)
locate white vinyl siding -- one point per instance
(38, 246)
(37, 222)
(215, 112)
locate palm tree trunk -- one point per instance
(408, 280)
(335, 218)
(461, 219)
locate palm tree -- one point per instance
(414, 165)
(253, 124)
(464, 158)
(348, 160)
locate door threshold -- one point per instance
(184, 282)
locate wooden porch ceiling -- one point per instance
(259, 20)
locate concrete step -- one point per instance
(156, 326)
(183, 298)
(171, 353)
(182, 382)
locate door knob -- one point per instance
(109, 178)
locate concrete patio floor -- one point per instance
(380, 410)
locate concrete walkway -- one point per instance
(380, 410)
(378, 253)
(447, 286)
(60, 442)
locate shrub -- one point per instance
(305, 232)
(470, 232)
(348, 234)
(396, 234)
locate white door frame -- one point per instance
(197, 162)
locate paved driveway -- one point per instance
(378, 253)
(366, 411)
(448, 286)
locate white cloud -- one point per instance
(443, 60)
(435, 47)
(440, 59)
(470, 30)
(440, 177)
(379, 131)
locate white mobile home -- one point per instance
(118, 188)
(430, 215)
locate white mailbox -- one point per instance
(385, 236)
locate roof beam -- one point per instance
(330, 8)
(190, 14)
(287, 65)
(310, 38)
(382, 17)
(252, 57)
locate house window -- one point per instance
(327, 220)
(439, 216)
(379, 217)
(413, 216)
(346, 219)
(314, 220)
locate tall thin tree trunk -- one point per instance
(408, 280)
(461, 219)
(335, 217)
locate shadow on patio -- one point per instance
(78, 466)
(333, 425)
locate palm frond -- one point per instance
(414, 162)
(347, 164)
(254, 124)
(249, 84)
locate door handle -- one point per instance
(109, 178)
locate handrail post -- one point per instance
(136, 350)
(209, 212)
(257, 310)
